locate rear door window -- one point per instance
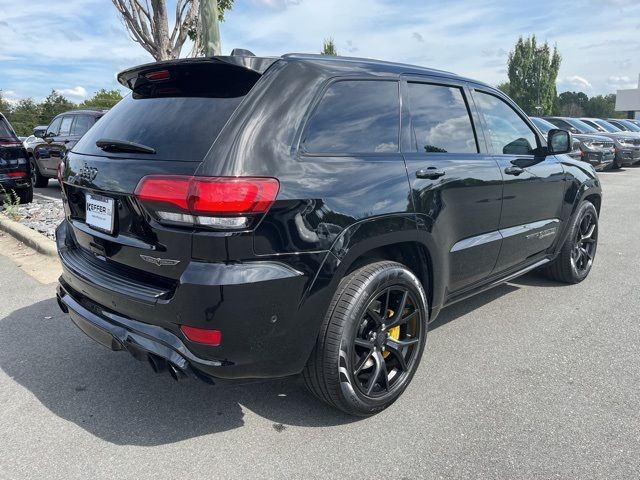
(440, 119)
(355, 116)
(65, 126)
(81, 125)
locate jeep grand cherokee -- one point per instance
(243, 217)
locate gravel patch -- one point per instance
(41, 215)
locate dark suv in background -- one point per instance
(14, 167)
(245, 218)
(627, 152)
(61, 135)
(594, 149)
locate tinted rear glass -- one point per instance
(178, 128)
(176, 109)
(5, 130)
(355, 116)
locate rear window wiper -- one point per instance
(109, 145)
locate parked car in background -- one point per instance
(594, 149)
(60, 136)
(14, 167)
(626, 151)
(635, 121)
(605, 126)
(624, 125)
(219, 229)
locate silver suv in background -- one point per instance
(624, 124)
(594, 149)
(626, 151)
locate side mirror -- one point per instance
(39, 132)
(558, 142)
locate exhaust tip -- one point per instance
(62, 306)
(176, 373)
(158, 365)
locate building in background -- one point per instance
(628, 100)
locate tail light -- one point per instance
(219, 202)
(16, 174)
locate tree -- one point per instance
(4, 105)
(147, 21)
(572, 104)
(102, 99)
(602, 107)
(54, 104)
(533, 70)
(504, 87)
(25, 115)
(329, 48)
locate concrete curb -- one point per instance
(29, 237)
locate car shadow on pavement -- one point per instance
(468, 305)
(120, 400)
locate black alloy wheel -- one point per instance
(576, 256)
(371, 341)
(586, 238)
(386, 341)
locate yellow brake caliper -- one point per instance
(393, 332)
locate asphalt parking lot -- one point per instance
(530, 380)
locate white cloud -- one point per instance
(75, 94)
(574, 82)
(621, 82)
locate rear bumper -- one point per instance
(14, 183)
(254, 304)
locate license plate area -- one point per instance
(100, 212)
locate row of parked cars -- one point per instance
(30, 162)
(605, 144)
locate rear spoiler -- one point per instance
(257, 65)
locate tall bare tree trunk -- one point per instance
(161, 30)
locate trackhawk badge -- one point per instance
(160, 262)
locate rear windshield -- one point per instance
(6, 132)
(177, 128)
(176, 109)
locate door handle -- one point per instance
(513, 170)
(430, 173)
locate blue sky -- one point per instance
(77, 46)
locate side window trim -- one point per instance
(442, 82)
(298, 146)
(517, 111)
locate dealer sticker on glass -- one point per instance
(99, 212)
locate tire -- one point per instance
(37, 179)
(371, 341)
(25, 195)
(574, 262)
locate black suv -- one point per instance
(14, 168)
(61, 135)
(247, 218)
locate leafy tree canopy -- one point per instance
(533, 71)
